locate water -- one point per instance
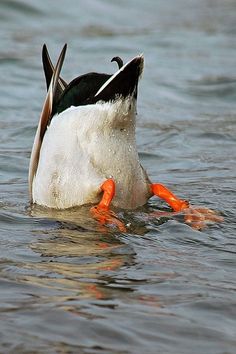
(66, 286)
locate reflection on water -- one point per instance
(68, 286)
(74, 259)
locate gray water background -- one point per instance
(65, 285)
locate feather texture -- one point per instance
(44, 120)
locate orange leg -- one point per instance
(109, 189)
(101, 212)
(164, 193)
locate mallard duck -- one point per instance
(85, 151)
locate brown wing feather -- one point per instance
(48, 71)
(44, 119)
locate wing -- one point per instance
(48, 71)
(45, 117)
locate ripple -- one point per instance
(217, 86)
(66, 284)
(12, 7)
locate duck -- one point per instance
(85, 151)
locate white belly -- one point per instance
(75, 159)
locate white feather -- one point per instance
(82, 148)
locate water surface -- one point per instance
(66, 286)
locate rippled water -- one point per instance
(65, 285)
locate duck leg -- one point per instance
(164, 193)
(197, 217)
(102, 212)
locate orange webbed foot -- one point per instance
(101, 212)
(196, 217)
